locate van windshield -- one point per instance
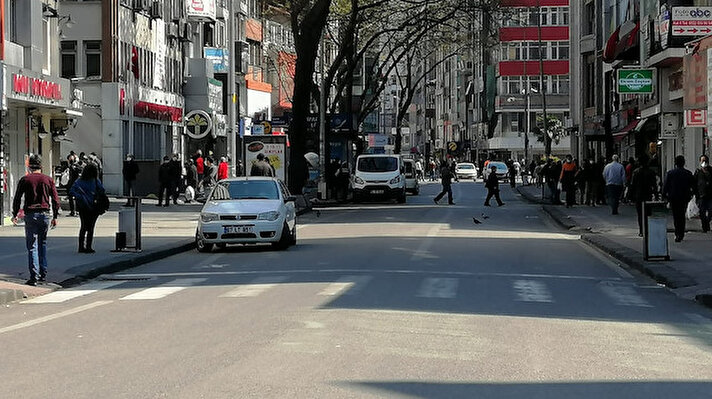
(377, 164)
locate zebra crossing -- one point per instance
(527, 289)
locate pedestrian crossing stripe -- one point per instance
(163, 290)
(65, 295)
(255, 288)
(347, 285)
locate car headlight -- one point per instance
(359, 180)
(208, 217)
(395, 180)
(271, 216)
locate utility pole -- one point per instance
(322, 124)
(233, 132)
(547, 139)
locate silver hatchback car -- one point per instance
(247, 210)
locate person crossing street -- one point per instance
(492, 186)
(446, 181)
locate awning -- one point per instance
(619, 135)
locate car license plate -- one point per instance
(377, 191)
(237, 229)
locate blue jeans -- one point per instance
(614, 192)
(36, 227)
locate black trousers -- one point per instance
(493, 193)
(166, 189)
(86, 228)
(447, 189)
(679, 208)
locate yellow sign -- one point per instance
(268, 127)
(452, 146)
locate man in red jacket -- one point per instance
(199, 164)
(222, 169)
(40, 198)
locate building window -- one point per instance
(589, 18)
(69, 59)
(560, 84)
(560, 50)
(92, 56)
(147, 141)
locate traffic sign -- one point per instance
(452, 146)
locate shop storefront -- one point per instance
(37, 111)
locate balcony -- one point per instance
(667, 57)
(14, 54)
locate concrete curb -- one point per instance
(530, 198)
(8, 295)
(661, 273)
(92, 270)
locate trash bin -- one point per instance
(127, 225)
(655, 231)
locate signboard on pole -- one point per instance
(274, 148)
(635, 81)
(691, 21)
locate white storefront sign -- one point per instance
(691, 21)
(200, 10)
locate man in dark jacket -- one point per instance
(176, 178)
(492, 186)
(165, 182)
(643, 185)
(130, 171)
(678, 188)
(446, 181)
(703, 191)
(261, 167)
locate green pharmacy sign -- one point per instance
(635, 81)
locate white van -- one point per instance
(411, 177)
(379, 176)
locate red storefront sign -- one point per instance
(36, 87)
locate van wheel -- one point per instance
(416, 191)
(401, 198)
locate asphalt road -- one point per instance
(376, 301)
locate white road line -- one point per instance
(348, 285)
(55, 316)
(369, 271)
(163, 290)
(65, 295)
(433, 287)
(425, 244)
(255, 288)
(532, 291)
(623, 295)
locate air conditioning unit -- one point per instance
(156, 10)
(172, 30)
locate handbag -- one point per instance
(693, 212)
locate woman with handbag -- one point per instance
(91, 202)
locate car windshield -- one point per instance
(466, 166)
(377, 164)
(245, 189)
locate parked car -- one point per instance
(411, 177)
(247, 210)
(379, 176)
(502, 171)
(466, 170)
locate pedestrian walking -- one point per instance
(199, 164)
(568, 180)
(643, 185)
(446, 181)
(87, 190)
(260, 167)
(614, 174)
(512, 170)
(130, 171)
(210, 174)
(222, 169)
(419, 170)
(492, 186)
(40, 197)
(164, 182)
(75, 170)
(176, 173)
(703, 191)
(678, 189)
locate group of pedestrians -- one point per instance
(37, 199)
(447, 174)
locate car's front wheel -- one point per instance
(201, 245)
(284, 239)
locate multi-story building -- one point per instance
(127, 56)
(534, 36)
(38, 106)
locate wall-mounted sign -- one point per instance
(200, 10)
(635, 81)
(28, 86)
(695, 118)
(220, 58)
(198, 124)
(691, 21)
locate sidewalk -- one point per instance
(689, 272)
(166, 231)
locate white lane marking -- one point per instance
(532, 291)
(55, 316)
(65, 295)
(370, 271)
(623, 295)
(163, 290)
(425, 244)
(348, 285)
(433, 287)
(255, 288)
